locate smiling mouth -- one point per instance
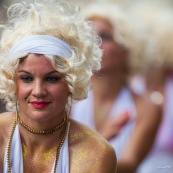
(39, 105)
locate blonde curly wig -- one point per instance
(129, 32)
(56, 19)
(158, 18)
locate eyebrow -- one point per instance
(24, 71)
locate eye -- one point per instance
(106, 37)
(26, 79)
(53, 79)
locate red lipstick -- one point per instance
(39, 105)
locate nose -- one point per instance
(38, 89)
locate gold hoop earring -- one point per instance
(17, 115)
(69, 106)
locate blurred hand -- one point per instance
(111, 127)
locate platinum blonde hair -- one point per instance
(158, 18)
(129, 32)
(56, 19)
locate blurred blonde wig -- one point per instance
(56, 19)
(128, 31)
(158, 19)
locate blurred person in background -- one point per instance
(127, 120)
(158, 82)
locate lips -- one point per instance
(39, 105)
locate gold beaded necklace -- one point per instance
(41, 132)
(57, 151)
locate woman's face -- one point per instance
(41, 92)
(114, 55)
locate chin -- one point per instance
(39, 115)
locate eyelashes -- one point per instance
(49, 79)
(53, 79)
(106, 37)
(26, 79)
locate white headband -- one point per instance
(42, 44)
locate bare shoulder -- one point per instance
(90, 150)
(6, 121)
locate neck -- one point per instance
(35, 141)
(105, 91)
(107, 87)
(38, 121)
(39, 143)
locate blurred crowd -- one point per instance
(130, 101)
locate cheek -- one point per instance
(108, 49)
(21, 90)
(60, 93)
(60, 98)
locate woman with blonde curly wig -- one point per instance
(48, 55)
(158, 81)
(123, 117)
